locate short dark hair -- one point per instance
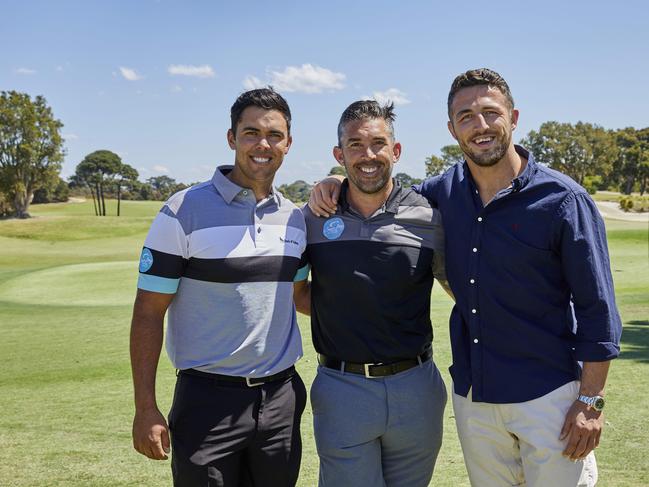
(479, 77)
(266, 98)
(364, 109)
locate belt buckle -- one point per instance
(253, 384)
(366, 367)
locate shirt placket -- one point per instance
(475, 331)
(476, 326)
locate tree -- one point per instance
(337, 171)
(126, 176)
(31, 148)
(451, 154)
(632, 164)
(98, 171)
(577, 150)
(56, 192)
(297, 192)
(406, 180)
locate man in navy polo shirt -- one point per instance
(221, 258)
(378, 398)
(535, 324)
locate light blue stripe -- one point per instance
(302, 273)
(157, 284)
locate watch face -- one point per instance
(598, 405)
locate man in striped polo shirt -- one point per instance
(221, 258)
(378, 398)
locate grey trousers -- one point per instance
(378, 432)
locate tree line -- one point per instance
(31, 154)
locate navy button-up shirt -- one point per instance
(531, 276)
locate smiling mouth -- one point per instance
(368, 170)
(261, 160)
(483, 140)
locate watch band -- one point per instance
(595, 402)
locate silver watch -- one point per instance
(595, 402)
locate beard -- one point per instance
(372, 186)
(493, 155)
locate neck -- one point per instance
(492, 179)
(367, 204)
(261, 188)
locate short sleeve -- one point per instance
(164, 256)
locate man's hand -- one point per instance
(582, 428)
(324, 196)
(151, 434)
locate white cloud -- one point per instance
(176, 89)
(129, 74)
(252, 82)
(393, 95)
(307, 78)
(70, 136)
(159, 168)
(25, 71)
(203, 71)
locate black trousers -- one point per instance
(231, 435)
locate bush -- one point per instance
(639, 204)
(592, 184)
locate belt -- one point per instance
(376, 369)
(247, 381)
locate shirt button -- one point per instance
(472, 281)
(475, 340)
(474, 311)
(245, 193)
(259, 230)
(475, 249)
(479, 218)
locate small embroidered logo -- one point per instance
(333, 228)
(146, 260)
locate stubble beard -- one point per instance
(492, 156)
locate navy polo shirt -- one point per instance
(531, 276)
(372, 277)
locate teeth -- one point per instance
(480, 140)
(368, 170)
(261, 160)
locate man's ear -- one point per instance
(396, 151)
(231, 140)
(514, 119)
(338, 155)
(289, 141)
(449, 124)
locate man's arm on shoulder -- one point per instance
(150, 430)
(324, 196)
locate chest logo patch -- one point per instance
(146, 260)
(333, 228)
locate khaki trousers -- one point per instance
(518, 443)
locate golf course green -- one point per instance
(67, 283)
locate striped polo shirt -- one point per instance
(372, 278)
(231, 262)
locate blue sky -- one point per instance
(154, 80)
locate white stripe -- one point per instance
(245, 241)
(166, 235)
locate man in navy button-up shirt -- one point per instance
(527, 260)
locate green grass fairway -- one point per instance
(67, 283)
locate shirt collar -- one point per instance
(391, 205)
(520, 181)
(229, 190)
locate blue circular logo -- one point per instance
(333, 228)
(146, 260)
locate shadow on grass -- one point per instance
(635, 341)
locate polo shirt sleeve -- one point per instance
(586, 267)
(164, 255)
(303, 271)
(439, 254)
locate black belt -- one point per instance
(377, 369)
(247, 381)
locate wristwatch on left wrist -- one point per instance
(595, 402)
